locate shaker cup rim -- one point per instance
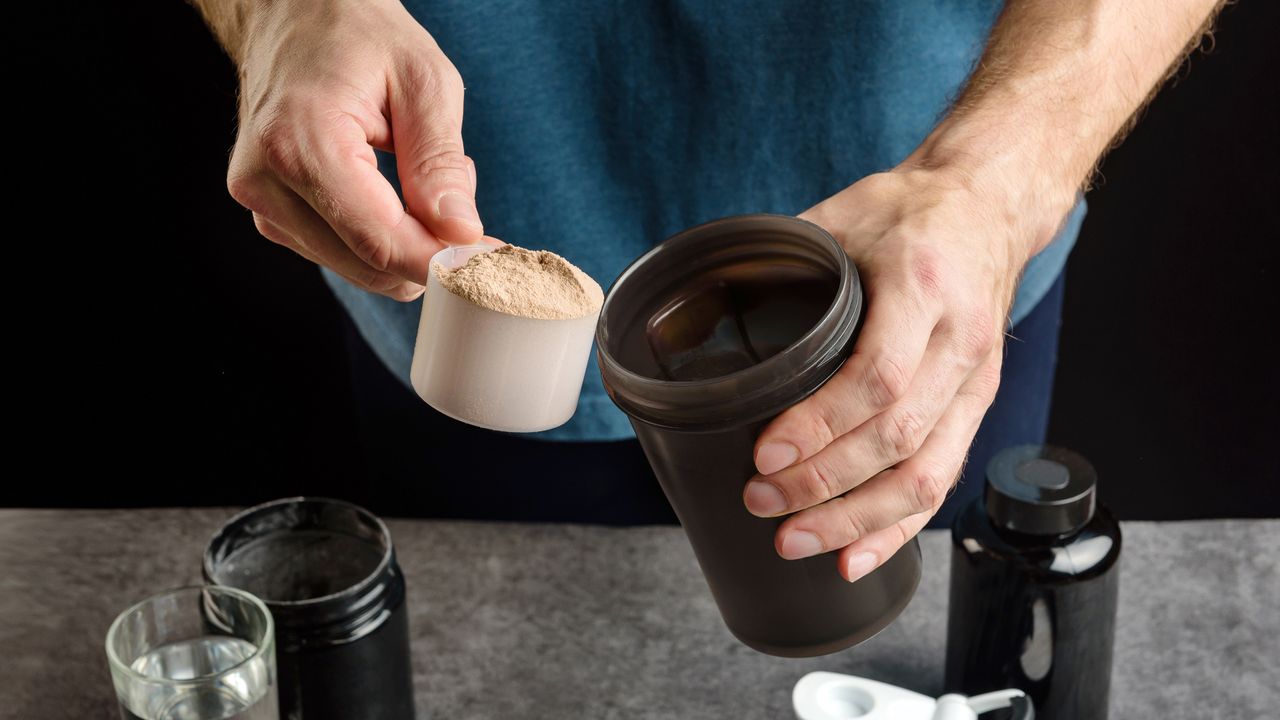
(623, 371)
(825, 338)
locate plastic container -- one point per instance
(699, 434)
(832, 696)
(327, 571)
(1034, 584)
(495, 370)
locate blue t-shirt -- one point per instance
(599, 129)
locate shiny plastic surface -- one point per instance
(1035, 613)
(698, 427)
(328, 571)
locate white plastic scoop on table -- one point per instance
(832, 696)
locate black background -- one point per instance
(163, 354)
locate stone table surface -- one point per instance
(557, 621)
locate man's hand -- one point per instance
(322, 85)
(940, 242)
(868, 459)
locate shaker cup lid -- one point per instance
(1040, 490)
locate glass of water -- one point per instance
(195, 653)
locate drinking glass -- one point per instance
(195, 653)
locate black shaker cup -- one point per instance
(327, 571)
(1034, 584)
(702, 341)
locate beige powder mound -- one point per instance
(526, 283)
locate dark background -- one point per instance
(161, 353)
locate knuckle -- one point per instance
(280, 147)
(373, 248)
(886, 379)
(901, 434)
(431, 66)
(986, 383)
(904, 536)
(927, 272)
(444, 159)
(818, 481)
(450, 79)
(281, 158)
(975, 336)
(814, 421)
(927, 488)
(824, 426)
(432, 76)
(444, 74)
(268, 230)
(855, 520)
(247, 188)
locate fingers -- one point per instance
(858, 559)
(296, 225)
(279, 236)
(324, 158)
(437, 178)
(889, 350)
(916, 486)
(886, 439)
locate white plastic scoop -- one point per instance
(495, 370)
(832, 696)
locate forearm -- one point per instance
(229, 21)
(1057, 85)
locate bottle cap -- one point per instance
(1040, 490)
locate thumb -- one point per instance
(436, 176)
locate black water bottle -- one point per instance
(1034, 582)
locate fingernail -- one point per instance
(800, 544)
(456, 206)
(859, 565)
(775, 456)
(764, 499)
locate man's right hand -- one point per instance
(321, 86)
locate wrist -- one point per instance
(230, 22)
(1015, 176)
(263, 21)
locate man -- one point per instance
(944, 145)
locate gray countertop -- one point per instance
(553, 621)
